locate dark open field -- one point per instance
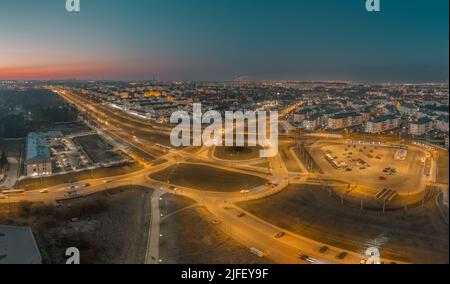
(207, 178)
(12, 148)
(418, 235)
(97, 149)
(237, 153)
(191, 238)
(112, 226)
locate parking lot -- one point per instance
(67, 156)
(373, 166)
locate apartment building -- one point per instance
(344, 120)
(421, 126)
(382, 123)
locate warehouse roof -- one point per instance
(18, 246)
(37, 146)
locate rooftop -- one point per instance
(423, 120)
(345, 115)
(18, 246)
(314, 117)
(382, 118)
(37, 146)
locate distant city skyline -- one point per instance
(223, 40)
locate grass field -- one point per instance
(237, 153)
(207, 178)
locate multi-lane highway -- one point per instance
(243, 227)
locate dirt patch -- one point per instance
(112, 226)
(98, 150)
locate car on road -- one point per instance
(279, 235)
(241, 215)
(342, 255)
(306, 258)
(4, 197)
(86, 185)
(382, 178)
(245, 191)
(108, 181)
(43, 191)
(257, 252)
(323, 249)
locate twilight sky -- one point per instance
(225, 39)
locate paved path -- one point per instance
(152, 255)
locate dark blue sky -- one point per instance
(226, 39)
